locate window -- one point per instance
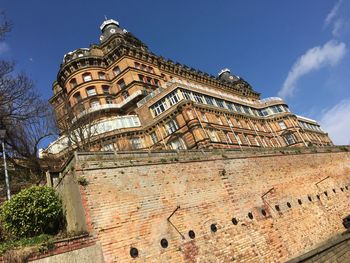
(87, 77)
(246, 109)
(105, 90)
(173, 98)
(73, 83)
(107, 147)
(141, 78)
(172, 126)
(198, 97)
(289, 139)
(229, 105)
(101, 75)
(136, 143)
(264, 112)
(282, 125)
(150, 69)
(91, 91)
(137, 65)
(77, 97)
(178, 144)
(143, 67)
(125, 94)
(204, 117)
(190, 114)
(109, 101)
(121, 84)
(156, 82)
(209, 100)
(213, 135)
(159, 107)
(186, 94)
(149, 80)
(116, 71)
(238, 139)
(239, 124)
(247, 139)
(229, 122)
(239, 108)
(94, 103)
(228, 137)
(256, 127)
(220, 103)
(154, 137)
(219, 120)
(256, 141)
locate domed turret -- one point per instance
(108, 28)
(225, 74)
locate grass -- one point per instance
(42, 242)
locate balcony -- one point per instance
(115, 106)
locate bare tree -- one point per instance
(78, 125)
(25, 115)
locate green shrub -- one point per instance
(33, 211)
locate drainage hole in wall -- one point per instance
(325, 193)
(342, 189)
(164, 243)
(263, 212)
(346, 187)
(309, 197)
(289, 205)
(334, 191)
(213, 228)
(277, 207)
(300, 202)
(191, 234)
(234, 221)
(318, 197)
(250, 215)
(134, 253)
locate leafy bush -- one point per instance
(33, 211)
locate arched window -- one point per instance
(105, 89)
(73, 83)
(90, 91)
(101, 75)
(116, 71)
(121, 84)
(87, 77)
(77, 97)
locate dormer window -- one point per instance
(116, 71)
(87, 77)
(90, 91)
(101, 75)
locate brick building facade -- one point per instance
(118, 95)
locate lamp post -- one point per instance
(2, 138)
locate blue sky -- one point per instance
(295, 49)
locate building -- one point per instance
(118, 95)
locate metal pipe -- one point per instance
(7, 181)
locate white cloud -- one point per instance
(333, 13)
(336, 121)
(315, 58)
(3, 48)
(337, 27)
